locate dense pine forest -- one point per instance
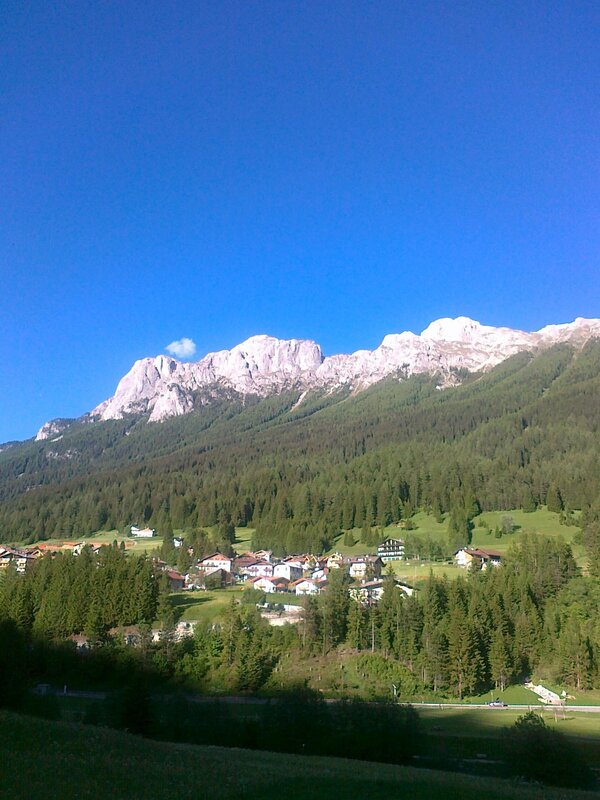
(522, 435)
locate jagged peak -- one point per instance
(262, 365)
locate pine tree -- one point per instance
(357, 624)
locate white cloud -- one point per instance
(182, 348)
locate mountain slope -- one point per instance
(300, 473)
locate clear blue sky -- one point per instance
(326, 170)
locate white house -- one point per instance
(263, 555)
(214, 562)
(270, 585)
(372, 591)
(475, 557)
(319, 574)
(289, 570)
(142, 533)
(361, 566)
(306, 586)
(263, 584)
(260, 569)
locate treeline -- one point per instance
(524, 435)
(85, 594)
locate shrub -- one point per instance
(537, 753)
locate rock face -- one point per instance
(53, 428)
(262, 365)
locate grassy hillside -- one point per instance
(50, 760)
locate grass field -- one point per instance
(203, 606)
(243, 540)
(513, 695)
(138, 546)
(474, 722)
(51, 760)
(540, 521)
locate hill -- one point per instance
(55, 759)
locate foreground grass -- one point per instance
(488, 723)
(51, 760)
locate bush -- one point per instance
(537, 753)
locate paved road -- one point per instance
(530, 707)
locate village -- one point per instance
(277, 578)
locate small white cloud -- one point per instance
(182, 348)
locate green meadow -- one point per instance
(50, 760)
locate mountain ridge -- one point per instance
(262, 365)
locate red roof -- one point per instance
(215, 557)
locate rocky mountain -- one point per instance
(164, 387)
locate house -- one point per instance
(319, 573)
(281, 584)
(213, 562)
(363, 566)
(263, 555)
(307, 586)
(178, 541)
(142, 533)
(21, 559)
(477, 557)
(288, 569)
(259, 569)
(244, 560)
(369, 592)
(176, 581)
(391, 550)
(270, 585)
(335, 561)
(215, 579)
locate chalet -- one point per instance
(281, 584)
(363, 566)
(244, 560)
(307, 586)
(259, 569)
(335, 561)
(142, 533)
(220, 577)
(263, 555)
(319, 573)
(270, 585)
(213, 562)
(262, 584)
(369, 592)
(288, 569)
(178, 541)
(176, 581)
(391, 550)
(19, 558)
(297, 561)
(477, 557)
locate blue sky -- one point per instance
(334, 171)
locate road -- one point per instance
(531, 707)
(250, 700)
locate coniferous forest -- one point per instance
(522, 435)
